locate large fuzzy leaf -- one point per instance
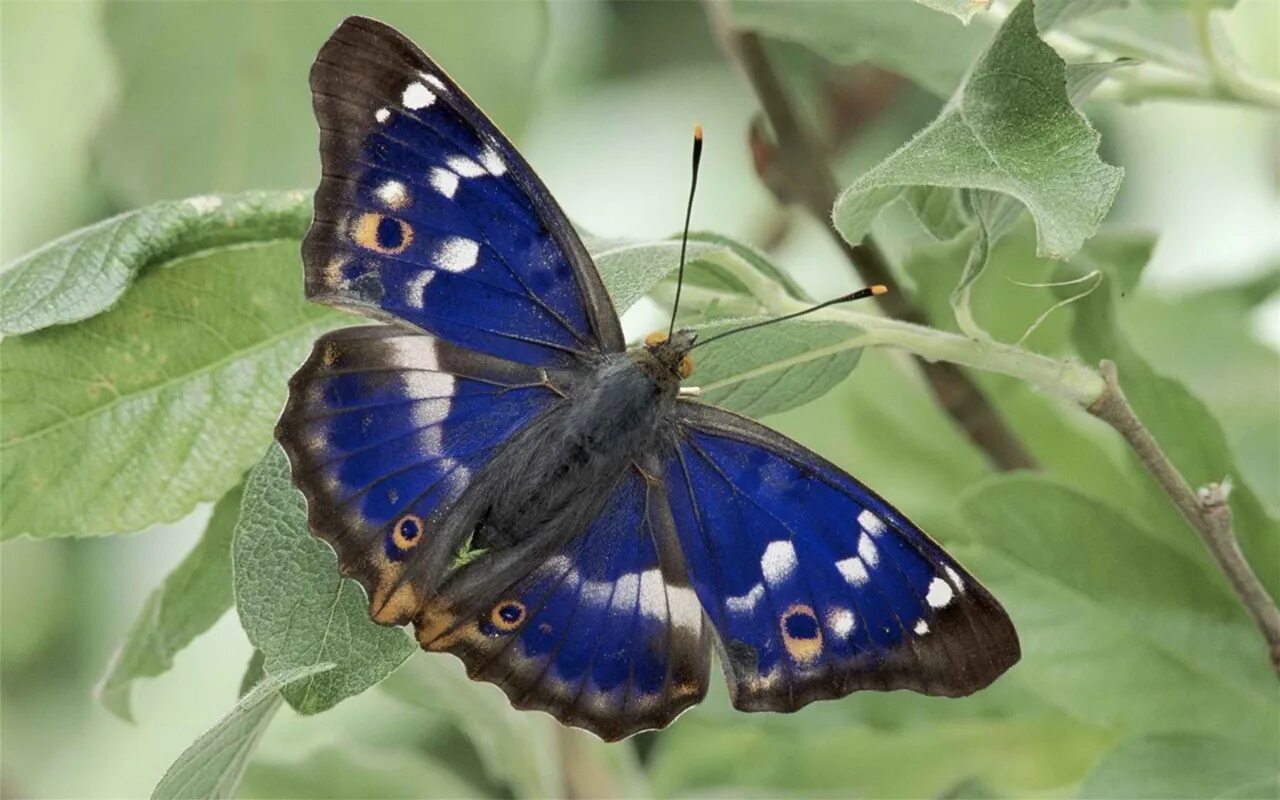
(295, 605)
(1010, 129)
(135, 416)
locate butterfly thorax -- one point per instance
(555, 474)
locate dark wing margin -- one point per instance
(816, 586)
(428, 214)
(604, 633)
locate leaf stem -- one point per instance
(796, 170)
(1206, 510)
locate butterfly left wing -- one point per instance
(816, 586)
(603, 631)
(428, 215)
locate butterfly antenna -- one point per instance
(870, 291)
(688, 214)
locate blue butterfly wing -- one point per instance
(384, 428)
(428, 215)
(816, 586)
(604, 631)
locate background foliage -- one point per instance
(145, 356)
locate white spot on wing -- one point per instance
(414, 352)
(434, 81)
(443, 181)
(778, 561)
(939, 593)
(417, 96)
(415, 287)
(955, 578)
(457, 254)
(867, 551)
(921, 628)
(686, 611)
(746, 602)
(841, 621)
(465, 166)
(853, 570)
(871, 523)
(653, 594)
(429, 412)
(424, 385)
(382, 114)
(393, 194)
(492, 163)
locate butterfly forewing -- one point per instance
(427, 214)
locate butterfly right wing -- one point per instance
(816, 586)
(384, 428)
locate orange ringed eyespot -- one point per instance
(507, 615)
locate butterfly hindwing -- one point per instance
(817, 587)
(385, 427)
(427, 214)
(603, 632)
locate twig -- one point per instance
(1206, 511)
(796, 170)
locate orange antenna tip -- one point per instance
(879, 289)
(697, 131)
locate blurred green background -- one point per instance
(108, 106)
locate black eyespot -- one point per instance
(801, 625)
(409, 529)
(390, 234)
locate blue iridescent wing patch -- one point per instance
(817, 587)
(384, 428)
(427, 214)
(604, 632)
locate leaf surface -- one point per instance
(294, 604)
(134, 416)
(1011, 129)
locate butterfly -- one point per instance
(494, 465)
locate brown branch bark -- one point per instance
(1206, 510)
(796, 170)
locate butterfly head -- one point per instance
(672, 351)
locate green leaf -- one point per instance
(775, 368)
(86, 272)
(1118, 627)
(214, 764)
(1052, 13)
(517, 748)
(1010, 129)
(294, 604)
(221, 100)
(904, 37)
(631, 269)
(1186, 429)
(134, 416)
(351, 769)
(1177, 766)
(962, 10)
(193, 597)
(1016, 757)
